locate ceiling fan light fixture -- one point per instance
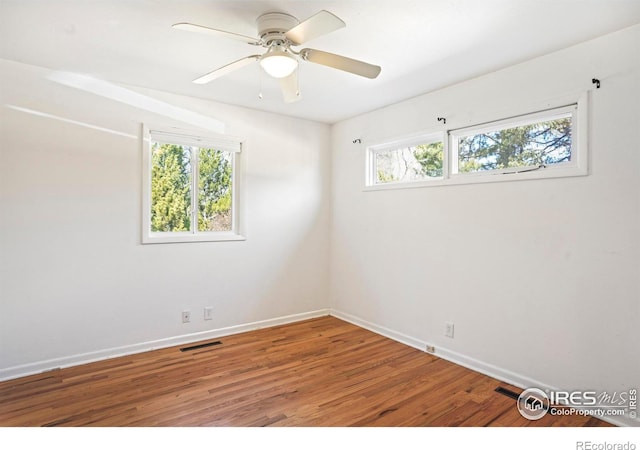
(278, 63)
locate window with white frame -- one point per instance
(417, 159)
(530, 142)
(190, 190)
(544, 144)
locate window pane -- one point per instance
(541, 143)
(420, 162)
(214, 190)
(170, 187)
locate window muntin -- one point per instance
(533, 141)
(191, 187)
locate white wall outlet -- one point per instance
(448, 329)
(186, 316)
(208, 313)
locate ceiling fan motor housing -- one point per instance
(273, 25)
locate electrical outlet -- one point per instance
(448, 329)
(208, 313)
(431, 349)
(186, 316)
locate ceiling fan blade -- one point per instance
(226, 69)
(321, 23)
(218, 33)
(340, 62)
(290, 88)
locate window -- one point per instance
(190, 187)
(539, 145)
(416, 160)
(532, 142)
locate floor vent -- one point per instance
(507, 392)
(199, 346)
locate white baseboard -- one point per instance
(84, 358)
(504, 375)
(378, 329)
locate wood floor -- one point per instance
(319, 372)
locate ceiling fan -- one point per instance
(279, 33)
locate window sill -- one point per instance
(478, 178)
(177, 238)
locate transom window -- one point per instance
(191, 187)
(416, 160)
(532, 142)
(539, 145)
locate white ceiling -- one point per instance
(422, 45)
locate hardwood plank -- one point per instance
(318, 372)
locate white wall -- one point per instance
(75, 281)
(541, 277)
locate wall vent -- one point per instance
(507, 392)
(199, 346)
